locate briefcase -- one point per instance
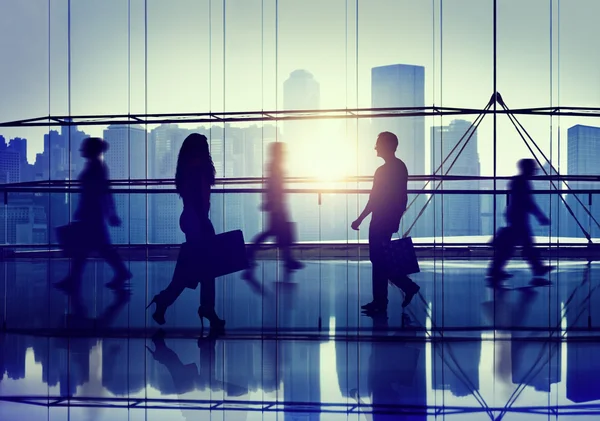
(71, 237)
(225, 253)
(400, 257)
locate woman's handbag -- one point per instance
(225, 253)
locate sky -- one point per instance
(212, 55)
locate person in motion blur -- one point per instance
(96, 206)
(518, 231)
(275, 204)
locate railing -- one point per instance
(318, 215)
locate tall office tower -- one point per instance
(55, 161)
(19, 145)
(456, 215)
(125, 161)
(401, 85)
(10, 166)
(583, 155)
(302, 92)
(164, 209)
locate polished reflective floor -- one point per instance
(299, 348)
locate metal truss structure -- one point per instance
(287, 115)
(495, 106)
(297, 407)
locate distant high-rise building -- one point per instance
(126, 161)
(10, 166)
(583, 155)
(164, 209)
(401, 85)
(456, 215)
(302, 92)
(19, 145)
(54, 163)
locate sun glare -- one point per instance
(327, 157)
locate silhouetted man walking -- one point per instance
(387, 203)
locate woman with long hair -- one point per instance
(96, 205)
(194, 177)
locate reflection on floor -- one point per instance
(302, 350)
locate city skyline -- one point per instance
(316, 148)
(239, 152)
(253, 46)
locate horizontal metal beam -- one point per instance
(286, 115)
(232, 190)
(345, 407)
(311, 180)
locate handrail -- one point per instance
(8, 190)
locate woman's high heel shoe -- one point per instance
(159, 312)
(215, 322)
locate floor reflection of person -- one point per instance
(187, 377)
(275, 205)
(78, 349)
(394, 368)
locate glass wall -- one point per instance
(143, 74)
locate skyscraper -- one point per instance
(301, 91)
(583, 155)
(10, 166)
(127, 145)
(456, 215)
(402, 85)
(164, 209)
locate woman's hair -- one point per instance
(94, 146)
(194, 151)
